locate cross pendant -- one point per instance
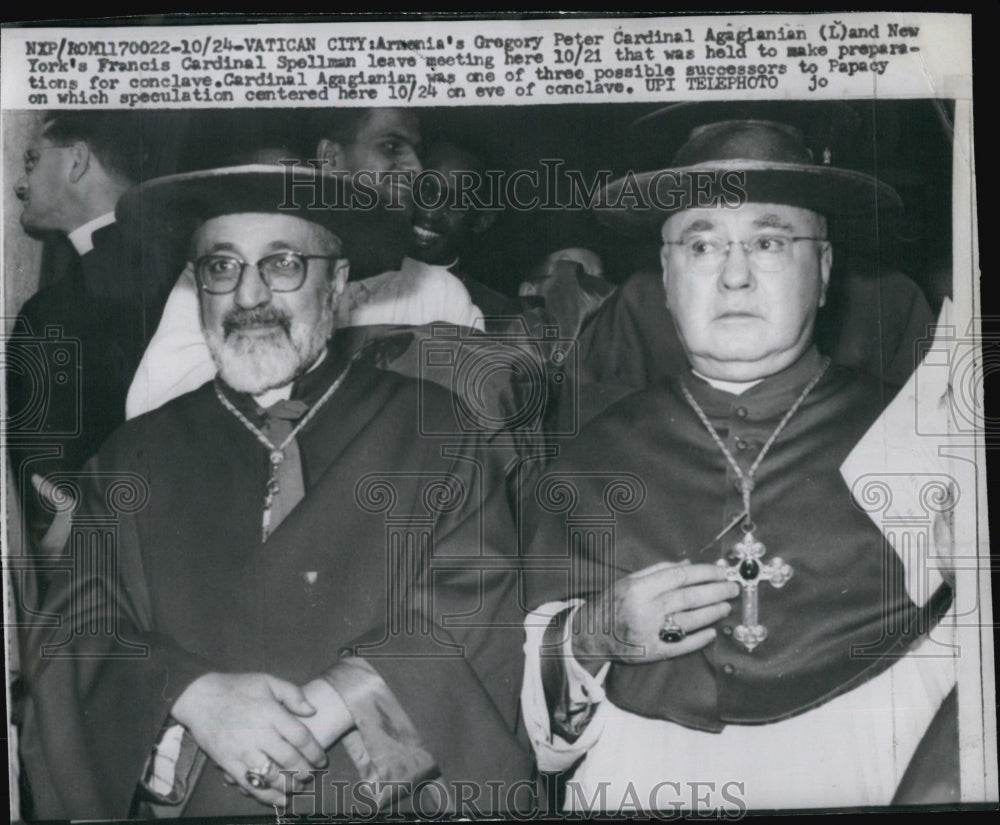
(748, 571)
(272, 483)
(272, 489)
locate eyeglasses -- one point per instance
(766, 252)
(282, 271)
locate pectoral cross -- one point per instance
(272, 489)
(748, 570)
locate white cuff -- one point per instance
(584, 689)
(552, 752)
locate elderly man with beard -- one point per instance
(378, 147)
(292, 601)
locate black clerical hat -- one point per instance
(730, 162)
(169, 209)
(831, 129)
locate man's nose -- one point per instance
(252, 291)
(736, 269)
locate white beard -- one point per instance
(256, 363)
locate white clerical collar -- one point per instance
(82, 237)
(732, 387)
(271, 397)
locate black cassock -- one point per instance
(648, 460)
(71, 358)
(395, 530)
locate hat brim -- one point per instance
(638, 203)
(824, 124)
(169, 209)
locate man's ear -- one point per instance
(825, 265)
(188, 274)
(332, 152)
(484, 220)
(79, 154)
(341, 272)
(664, 252)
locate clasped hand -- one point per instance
(258, 723)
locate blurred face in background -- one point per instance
(444, 220)
(383, 140)
(386, 139)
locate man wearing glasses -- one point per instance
(746, 639)
(278, 619)
(386, 289)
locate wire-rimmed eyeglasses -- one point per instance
(766, 252)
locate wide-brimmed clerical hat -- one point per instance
(166, 211)
(832, 130)
(731, 162)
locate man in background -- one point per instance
(448, 221)
(102, 311)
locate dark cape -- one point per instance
(392, 525)
(645, 482)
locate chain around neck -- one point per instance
(315, 408)
(747, 479)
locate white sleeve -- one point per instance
(177, 359)
(416, 294)
(443, 297)
(551, 751)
